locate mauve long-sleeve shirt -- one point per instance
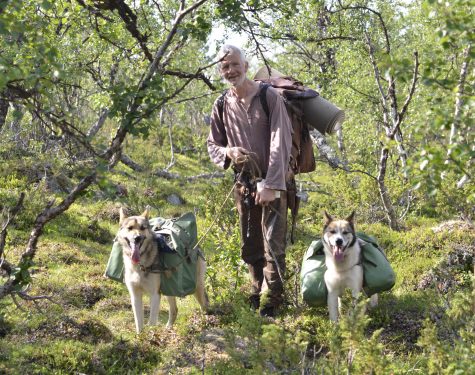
(269, 139)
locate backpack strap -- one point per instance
(263, 97)
(220, 104)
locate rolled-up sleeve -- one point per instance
(280, 142)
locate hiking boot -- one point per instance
(254, 302)
(268, 312)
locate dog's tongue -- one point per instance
(337, 253)
(136, 254)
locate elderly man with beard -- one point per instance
(242, 134)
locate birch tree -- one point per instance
(60, 73)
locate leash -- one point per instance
(254, 170)
(153, 269)
(217, 216)
(245, 160)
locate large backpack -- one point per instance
(302, 159)
(306, 110)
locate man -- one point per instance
(257, 146)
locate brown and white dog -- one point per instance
(140, 249)
(343, 260)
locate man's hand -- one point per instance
(237, 154)
(265, 196)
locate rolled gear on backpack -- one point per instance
(317, 112)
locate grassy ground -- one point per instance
(87, 324)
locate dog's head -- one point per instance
(134, 234)
(339, 235)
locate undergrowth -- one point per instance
(423, 325)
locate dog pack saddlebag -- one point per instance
(178, 266)
(313, 288)
(115, 265)
(378, 276)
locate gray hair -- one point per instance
(229, 49)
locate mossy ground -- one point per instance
(86, 325)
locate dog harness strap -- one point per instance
(353, 241)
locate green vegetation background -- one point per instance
(425, 324)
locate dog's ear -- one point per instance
(351, 217)
(122, 215)
(328, 218)
(146, 213)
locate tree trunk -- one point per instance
(383, 191)
(170, 139)
(131, 164)
(402, 154)
(458, 97)
(341, 142)
(98, 125)
(3, 111)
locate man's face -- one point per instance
(233, 69)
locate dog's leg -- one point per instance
(172, 312)
(200, 292)
(333, 302)
(373, 301)
(154, 308)
(137, 308)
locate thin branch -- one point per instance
(291, 37)
(377, 77)
(412, 89)
(65, 127)
(371, 98)
(130, 20)
(258, 45)
(130, 163)
(3, 234)
(378, 14)
(50, 212)
(194, 98)
(198, 75)
(178, 46)
(98, 125)
(459, 95)
(147, 77)
(173, 95)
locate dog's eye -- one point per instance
(333, 231)
(346, 232)
(130, 228)
(143, 227)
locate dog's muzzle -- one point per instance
(338, 250)
(135, 246)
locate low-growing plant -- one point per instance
(451, 352)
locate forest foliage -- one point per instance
(107, 101)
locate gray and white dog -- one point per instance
(139, 252)
(343, 260)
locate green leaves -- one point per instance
(198, 28)
(21, 274)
